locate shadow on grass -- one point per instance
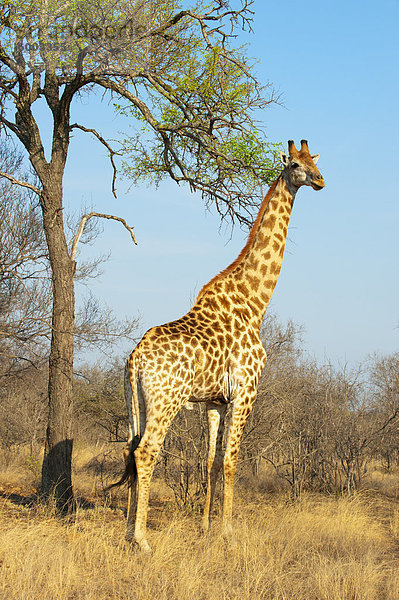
(21, 499)
(33, 499)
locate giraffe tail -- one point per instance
(131, 397)
(130, 472)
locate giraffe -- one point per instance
(213, 354)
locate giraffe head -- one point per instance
(300, 167)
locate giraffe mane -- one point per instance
(250, 239)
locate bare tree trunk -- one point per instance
(56, 470)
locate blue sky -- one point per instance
(335, 64)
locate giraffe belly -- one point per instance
(211, 386)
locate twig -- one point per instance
(163, 451)
(83, 222)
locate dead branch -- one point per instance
(21, 183)
(112, 152)
(83, 222)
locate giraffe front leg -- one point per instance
(216, 416)
(241, 410)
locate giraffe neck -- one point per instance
(248, 283)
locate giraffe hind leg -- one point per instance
(145, 457)
(216, 419)
(131, 468)
(242, 406)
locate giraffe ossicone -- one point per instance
(213, 354)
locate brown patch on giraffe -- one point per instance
(267, 240)
(274, 268)
(220, 340)
(243, 313)
(206, 314)
(236, 300)
(260, 305)
(229, 286)
(276, 246)
(238, 325)
(212, 304)
(217, 328)
(229, 339)
(253, 282)
(266, 255)
(225, 302)
(235, 348)
(225, 318)
(271, 221)
(253, 263)
(282, 226)
(242, 289)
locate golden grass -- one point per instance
(319, 549)
(386, 482)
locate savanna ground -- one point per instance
(319, 548)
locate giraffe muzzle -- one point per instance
(318, 184)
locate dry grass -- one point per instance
(385, 482)
(319, 549)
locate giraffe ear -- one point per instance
(315, 158)
(284, 158)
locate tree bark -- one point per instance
(56, 470)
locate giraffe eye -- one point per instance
(294, 165)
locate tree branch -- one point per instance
(83, 222)
(112, 153)
(21, 183)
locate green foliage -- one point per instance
(34, 465)
(174, 68)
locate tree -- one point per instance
(177, 71)
(24, 297)
(384, 391)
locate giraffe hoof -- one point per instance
(227, 533)
(142, 545)
(204, 527)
